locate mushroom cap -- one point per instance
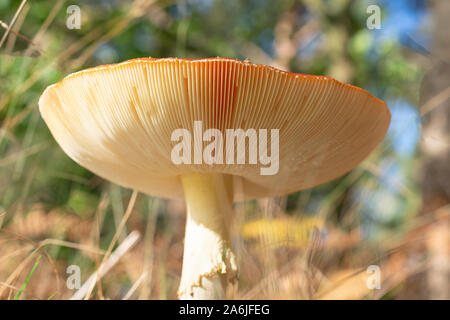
(117, 120)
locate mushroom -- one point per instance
(119, 122)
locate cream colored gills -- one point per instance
(117, 121)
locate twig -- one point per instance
(135, 285)
(13, 21)
(51, 16)
(118, 231)
(11, 41)
(124, 247)
(435, 101)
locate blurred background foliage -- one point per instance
(325, 237)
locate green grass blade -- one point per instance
(24, 285)
(52, 295)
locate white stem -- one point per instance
(208, 261)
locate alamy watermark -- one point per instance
(374, 280)
(73, 20)
(374, 19)
(74, 280)
(235, 141)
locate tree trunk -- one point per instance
(435, 147)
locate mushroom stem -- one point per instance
(209, 264)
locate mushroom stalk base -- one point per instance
(209, 264)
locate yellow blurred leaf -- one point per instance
(282, 231)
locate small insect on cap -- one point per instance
(118, 121)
